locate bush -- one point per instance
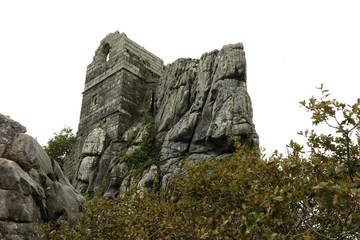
(60, 145)
(148, 152)
(299, 196)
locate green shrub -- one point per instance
(60, 145)
(298, 196)
(148, 152)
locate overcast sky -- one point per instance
(291, 48)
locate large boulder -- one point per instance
(33, 188)
(30, 150)
(95, 142)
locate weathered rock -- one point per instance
(8, 130)
(33, 188)
(30, 150)
(117, 175)
(19, 194)
(177, 139)
(166, 182)
(59, 175)
(131, 132)
(148, 179)
(19, 231)
(110, 155)
(14, 178)
(132, 150)
(173, 93)
(172, 165)
(129, 183)
(62, 202)
(198, 105)
(94, 171)
(125, 185)
(87, 166)
(95, 143)
(143, 133)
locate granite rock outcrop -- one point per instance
(33, 188)
(197, 105)
(139, 120)
(200, 104)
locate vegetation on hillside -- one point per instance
(60, 145)
(148, 152)
(311, 193)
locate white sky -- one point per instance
(291, 48)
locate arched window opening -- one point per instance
(105, 52)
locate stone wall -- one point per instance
(118, 81)
(119, 86)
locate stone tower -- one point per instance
(197, 105)
(119, 85)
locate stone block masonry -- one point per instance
(121, 74)
(119, 85)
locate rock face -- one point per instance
(33, 188)
(200, 104)
(196, 104)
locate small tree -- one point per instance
(60, 145)
(328, 175)
(342, 148)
